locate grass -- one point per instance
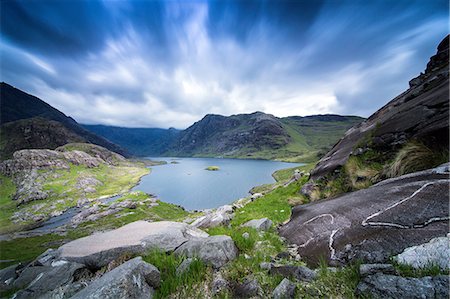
(415, 156)
(212, 168)
(170, 281)
(273, 205)
(64, 193)
(8, 206)
(409, 271)
(285, 175)
(329, 284)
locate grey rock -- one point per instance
(299, 273)
(28, 274)
(390, 286)
(246, 235)
(137, 237)
(370, 269)
(184, 266)
(133, 279)
(219, 284)
(259, 224)
(53, 278)
(221, 216)
(8, 275)
(435, 252)
(265, 266)
(285, 290)
(248, 288)
(372, 224)
(214, 250)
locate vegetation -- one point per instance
(212, 168)
(416, 156)
(410, 271)
(8, 206)
(170, 280)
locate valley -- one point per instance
(362, 214)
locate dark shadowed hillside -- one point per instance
(17, 105)
(138, 141)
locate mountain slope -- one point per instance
(263, 136)
(17, 105)
(137, 141)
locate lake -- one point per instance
(185, 182)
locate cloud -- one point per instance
(167, 64)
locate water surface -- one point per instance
(184, 181)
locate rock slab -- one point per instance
(133, 279)
(137, 237)
(259, 224)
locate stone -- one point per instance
(396, 287)
(214, 250)
(184, 266)
(51, 279)
(99, 249)
(246, 235)
(372, 224)
(370, 269)
(221, 216)
(259, 224)
(285, 290)
(435, 252)
(256, 196)
(28, 274)
(219, 284)
(299, 273)
(248, 288)
(133, 279)
(265, 266)
(8, 275)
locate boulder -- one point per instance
(8, 275)
(259, 224)
(299, 273)
(214, 250)
(248, 288)
(372, 224)
(435, 252)
(133, 279)
(370, 269)
(396, 287)
(99, 249)
(49, 279)
(221, 216)
(285, 290)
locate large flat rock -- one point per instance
(375, 223)
(99, 249)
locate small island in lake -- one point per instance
(212, 168)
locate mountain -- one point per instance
(28, 122)
(262, 136)
(386, 181)
(409, 134)
(138, 141)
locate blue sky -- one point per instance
(168, 63)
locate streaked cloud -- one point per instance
(168, 63)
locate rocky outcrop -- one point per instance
(137, 237)
(374, 223)
(133, 279)
(419, 112)
(397, 287)
(214, 250)
(434, 253)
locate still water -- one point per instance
(184, 181)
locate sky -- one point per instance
(168, 63)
